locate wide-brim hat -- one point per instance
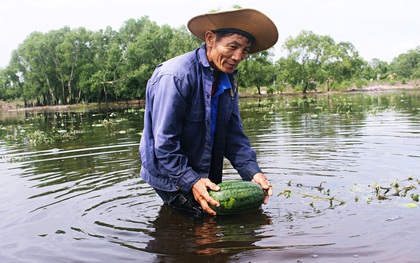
(249, 20)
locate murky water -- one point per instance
(70, 190)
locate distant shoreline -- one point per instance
(14, 106)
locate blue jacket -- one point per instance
(176, 145)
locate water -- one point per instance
(70, 189)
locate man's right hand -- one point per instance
(201, 195)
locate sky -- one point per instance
(381, 29)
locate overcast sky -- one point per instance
(377, 28)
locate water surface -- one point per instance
(71, 192)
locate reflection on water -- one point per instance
(176, 236)
(70, 189)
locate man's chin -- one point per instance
(228, 69)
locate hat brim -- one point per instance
(249, 20)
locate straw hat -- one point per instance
(249, 20)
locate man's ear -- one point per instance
(210, 38)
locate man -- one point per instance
(192, 121)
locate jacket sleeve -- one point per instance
(168, 111)
(238, 147)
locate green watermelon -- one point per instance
(237, 197)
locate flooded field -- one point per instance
(345, 170)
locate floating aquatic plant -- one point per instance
(398, 188)
(324, 194)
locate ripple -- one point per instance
(83, 200)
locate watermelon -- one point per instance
(237, 197)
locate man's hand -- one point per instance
(260, 179)
(201, 195)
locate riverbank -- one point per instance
(18, 105)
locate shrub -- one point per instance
(298, 88)
(344, 85)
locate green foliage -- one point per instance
(313, 60)
(67, 66)
(256, 71)
(375, 69)
(344, 85)
(407, 65)
(360, 83)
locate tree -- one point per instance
(182, 41)
(256, 70)
(70, 56)
(342, 63)
(10, 85)
(407, 64)
(307, 52)
(375, 69)
(72, 65)
(36, 56)
(149, 48)
(313, 60)
(107, 61)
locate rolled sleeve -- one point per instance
(187, 181)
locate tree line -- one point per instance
(68, 66)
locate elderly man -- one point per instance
(192, 121)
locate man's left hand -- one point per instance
(260, 179)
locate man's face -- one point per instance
(226, 53)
